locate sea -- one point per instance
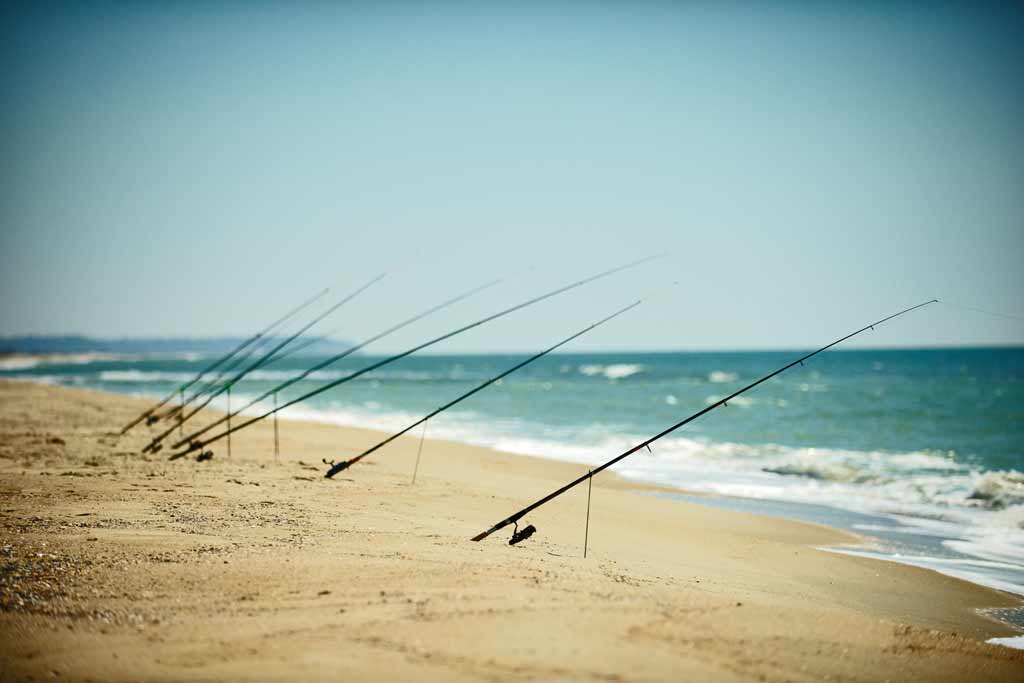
(921, 451)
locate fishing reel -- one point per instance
(152, 419)
(204, 456)
(519, 536)
(335, 467)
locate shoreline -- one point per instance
(861, 543)
(196, 565)
(870, 544)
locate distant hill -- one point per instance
(40, 344)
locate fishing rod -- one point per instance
(336, 358)
(217, 381)
(345, 464)
(518, 535)
(154, 445)
(529, 302)
(213, 366)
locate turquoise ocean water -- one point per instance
(921, 449)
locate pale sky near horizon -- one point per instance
(193, 169)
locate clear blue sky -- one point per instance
(191, 170)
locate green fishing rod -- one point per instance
(220, 361)
(333, 359)
(154, 445)
(522, 535)
(345, 464)
(196, 445)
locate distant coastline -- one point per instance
(48, 348)
(36, 346)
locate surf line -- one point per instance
(196, 445)
(518, 535)
(333, 359)
(223, 359)
(345, 464)
(155, 444)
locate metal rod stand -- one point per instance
(229, 420)
(277, 443)
(586, 529)
(419, 451)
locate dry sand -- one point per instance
(117, 566)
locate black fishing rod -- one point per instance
(195, 445)
(216, 364)
(154, 446)
(345, 464)
(217, 381)
(518, 536)
(333, 359)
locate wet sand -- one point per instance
(118, 566)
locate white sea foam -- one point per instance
(29, 361)
(262, 375)
(1016, 642)
(999, 489)
(744, 401)
(140, 376)
(614, 371)
(721, 377)
(18, 362)
(975, 572)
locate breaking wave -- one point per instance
(326, 375)
(999, 490)
(614, 371)
(925, 483)
(27, 362)
(720, 377)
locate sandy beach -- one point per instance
(118, 566)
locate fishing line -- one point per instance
(997, 314)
